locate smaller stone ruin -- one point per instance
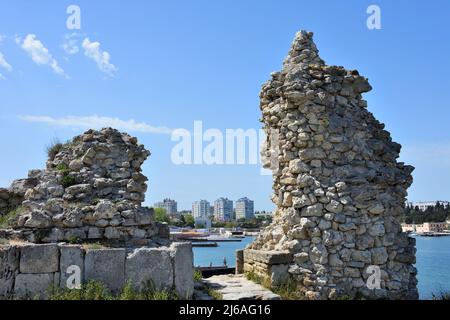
(91, 190)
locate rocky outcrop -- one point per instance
(338, 187)
(91, 189)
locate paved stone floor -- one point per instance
(237, 287)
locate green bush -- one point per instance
(5, 220)
(68, 181)
(93, 290)
(215, 294)
(75, 240)
(198, 275)
(287, 291)
(63, 169)
(161, 215)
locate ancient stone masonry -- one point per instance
(28, 270)
(337, 185)
(92, 189)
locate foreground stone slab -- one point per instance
(9, 266)
(237, 287)
(32, 286)
(106, 266)
(183, 262)
(39, 259)
(149, 264)
(70, 256)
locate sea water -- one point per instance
(433, 261)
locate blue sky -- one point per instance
(169, 63)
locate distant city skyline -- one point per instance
(57, 84)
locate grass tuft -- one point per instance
(5, 220)
(287, 291)
(94, 290)
(215, 294)
(198, 275)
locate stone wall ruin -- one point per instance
(337, 185)
(91, 190)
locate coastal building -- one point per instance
(424, 205)
(245, 209)
(223, 209)
(201, 209)
(427, 227)
(169, 205)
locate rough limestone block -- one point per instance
(106, 266)
(268, 257)
(183, 262)
(150, 264)
(40, 258)
(31, 286)
(9, 266)
(239, 261)
(279, 274)
(70, 256)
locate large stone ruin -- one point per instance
(91, 190)
(338, 187)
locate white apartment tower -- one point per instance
(223, 209)
(201, 209)
(245, 209)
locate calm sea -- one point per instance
(433, 261)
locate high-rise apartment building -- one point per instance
(223, 209)
(245, 209)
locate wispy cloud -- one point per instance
(93, 51)
(97, 122)
(39, 53)
(4, 64)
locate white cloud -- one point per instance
(101, 58)
(2, 77)
(97, 122)
(39, 53)
(70, 43)
(4, 64)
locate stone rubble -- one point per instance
(338, 187)
(91, 189)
